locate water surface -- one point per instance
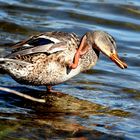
(114, 92)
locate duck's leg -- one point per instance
(49, 89)
(83, 48)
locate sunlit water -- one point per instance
(104, 85)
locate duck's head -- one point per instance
(105, 43)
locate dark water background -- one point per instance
(105, 85)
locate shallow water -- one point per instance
(114, 92)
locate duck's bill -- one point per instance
(115, 59)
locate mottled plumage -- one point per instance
(53, 57)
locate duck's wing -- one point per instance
(43, 43)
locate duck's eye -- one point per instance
(112, 40)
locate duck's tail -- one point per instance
(6, 62)
(2, 70)
(20, 62)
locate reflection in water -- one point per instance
(65, 116)
(51, 128)
(61, 116)
(102, 103)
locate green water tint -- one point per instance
(12, 28)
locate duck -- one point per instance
(51, 58)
